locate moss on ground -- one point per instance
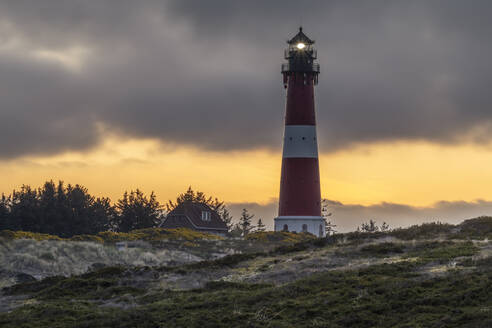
(150, 234)
(279, 236)
(480, 227)
(8, 234)
(157, 234)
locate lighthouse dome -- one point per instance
(300, 38)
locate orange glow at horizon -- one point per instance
(412, 173)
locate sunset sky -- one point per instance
(160, 95)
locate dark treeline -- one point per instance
(70, 210)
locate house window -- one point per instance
(304, 228)
(206, 215)
(286, 228)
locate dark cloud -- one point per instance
(42, 110)
(206, 73)
(348, 217)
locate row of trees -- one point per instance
(70, 210)
(67, 210)
(371, 226)
(245, 225)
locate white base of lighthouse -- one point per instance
(312, 224)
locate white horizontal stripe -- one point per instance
(299, 217)
(300, 141)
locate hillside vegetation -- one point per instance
(157, 234)
(433, 275)
(149, 234)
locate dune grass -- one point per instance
(386, 295)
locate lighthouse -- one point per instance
(300, 195)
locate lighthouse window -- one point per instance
(303, 138)
(206, 215)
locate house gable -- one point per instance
(196, 216)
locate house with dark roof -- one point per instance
(196, 216)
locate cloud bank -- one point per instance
(207, 73)
(348, 217)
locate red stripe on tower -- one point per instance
(300, 196)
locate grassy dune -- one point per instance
(427, 276)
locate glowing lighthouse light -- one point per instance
(300, 196)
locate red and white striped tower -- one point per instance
(300, 196)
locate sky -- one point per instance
(161, 95)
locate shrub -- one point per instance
(290, 248)
(443, 251)
(148, 234)
(93, 238)
(226, 261)
(423, 231)
(279, 236)
(479, 227)
(157, 234)
(27, 235)
(382, 249)
(220, 285)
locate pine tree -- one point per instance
(369, 227)
(384, 227)
(136, 211)
(330, 227)
(260, 227)
(235, 231)
(24, 210)
(226, 217)
(197, 197)
(4, 212)
(48, 215)
(325, 213)
(245, 222)
(103, 215)
(55, 209)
